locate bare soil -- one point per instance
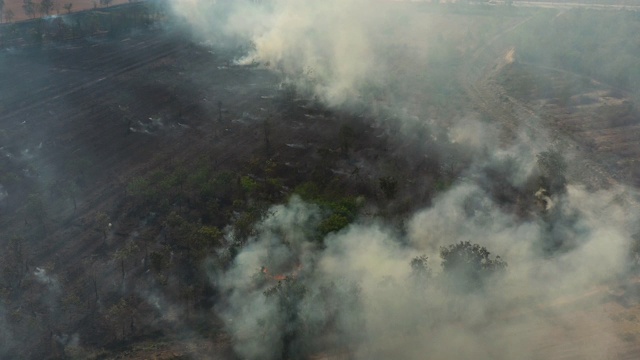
(602, 119)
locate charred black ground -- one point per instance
(135, 162)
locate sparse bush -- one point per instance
(340, 211)
(420, 268)
(139, 186)
(553, 170)
(248, 184)
(334, 222)
(159, 261)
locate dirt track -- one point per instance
(515, 116)
(576, 331)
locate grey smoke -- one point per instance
(335, 50)
(51, 282)
(359, 294)
(391, 315)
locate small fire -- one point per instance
(280, 277)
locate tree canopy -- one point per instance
(468, 265)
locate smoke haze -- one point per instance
(335, 50)
(358, 292)
(361, 291)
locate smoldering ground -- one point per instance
(288, 295)
(342, 52)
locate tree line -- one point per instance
(112, 21)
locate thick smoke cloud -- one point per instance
(285, 295)
(360, 292)
(335, 50)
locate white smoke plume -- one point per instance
(336, 50)
(288, 296)
(360, 294)
(42, 277)
(51, 282)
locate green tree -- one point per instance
(420, 268)
(45, 7)
(29, 8)
(288, 295)
(121, 255)
(467, 265)
(389, 186)
(159, 260)
(119, 316)
(196, 239)
(553, 169)
(102, 224)
(9, 15)
(68, 7)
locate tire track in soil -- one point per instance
(513, 116)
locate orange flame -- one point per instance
(281, 277)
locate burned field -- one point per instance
(406, 187)
(103, 138)
(601, 118)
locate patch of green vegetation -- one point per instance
(196, 238)
(442, 185)
(389, 186)
(340, 211)
(139, 186)
(244, 224)
(248, 184)
(335, 222)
